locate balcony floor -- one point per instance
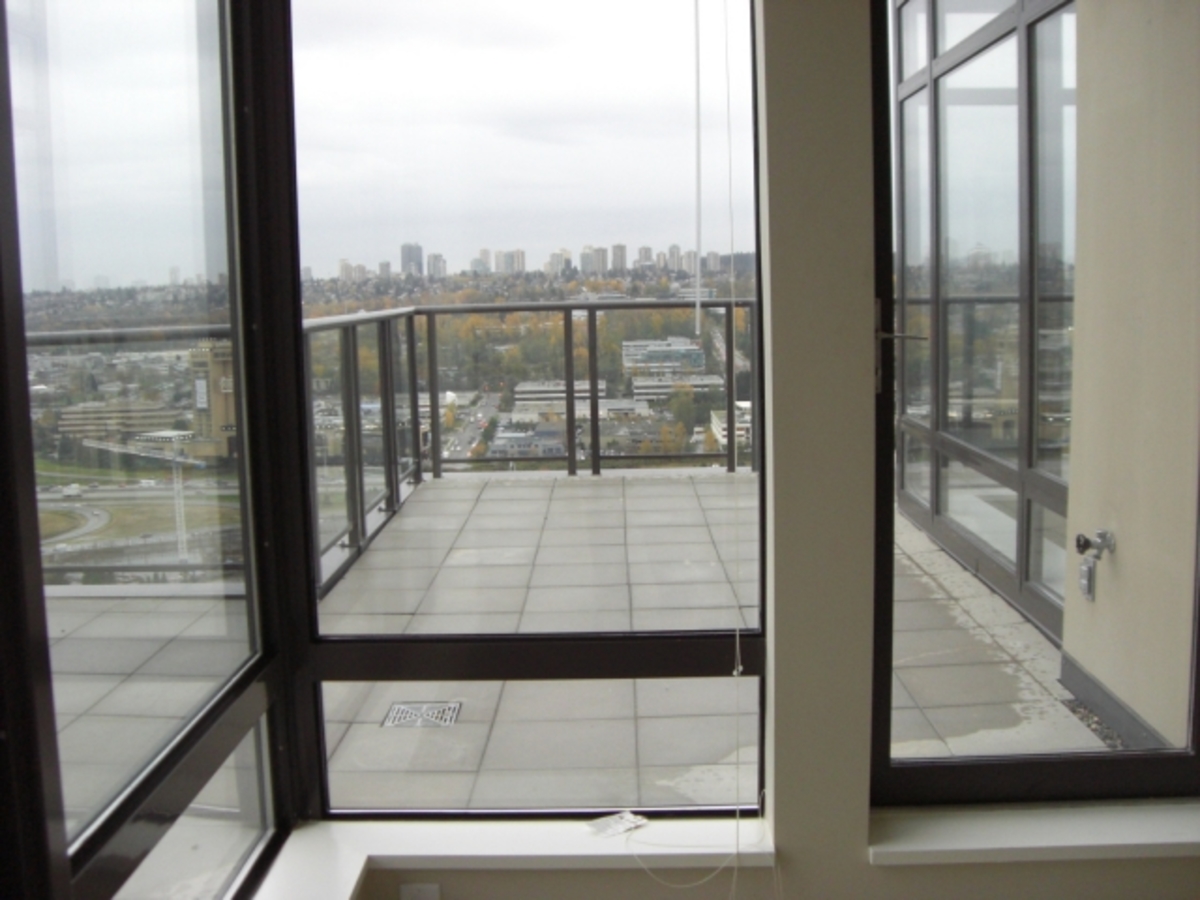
(535, 552)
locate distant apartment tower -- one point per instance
(360, 273)
(437, 265)
(600, 260)
(660, 260)
(485, 257)
(345, 271)
(645, 257)
(555, 264)
(674, 258)
(214, 416)
(712, 262)
(385, 271)
(510, 262)
(618, 258)
(306, 274)
(689, 262)
(412, 260)
(586, 261)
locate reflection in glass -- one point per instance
(917, 268)
(206, 848)
(138, 443)
(914, 36)
(591, 744)
(958, 19)
(1054, 79)
(329, 441)
(370, 422)
(1047, 549)
(918, 476)
(987, 509)
(980, 258)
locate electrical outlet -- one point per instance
(420, 892)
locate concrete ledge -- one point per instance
(937, 836)
(329, 859)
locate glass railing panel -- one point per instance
(370, 426)
(502, 395)
(330, 485)
(986, 508)
(599, 744)
(916, 271)
(139, 442)
(407, 424)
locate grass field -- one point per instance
(52, 523)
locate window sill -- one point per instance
(329, 859)
(1132, 830)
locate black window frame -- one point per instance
(1125, 774)
(281, 682)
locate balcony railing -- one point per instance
(378, 418)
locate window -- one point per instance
(1024, 648)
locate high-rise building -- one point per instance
(712, 262)
(436, 265)
(412, 260)
(586, 263)
(645, 257)
(674, 258)
(485, 257)
(518, 261)
(618, 258)
(555, 264)
(345, 271)
(600, 260)
(306, 274)
(385, 270)
(689, 262)
(660, 260)
(360, 273)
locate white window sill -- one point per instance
(1129, 830)
(328, 859)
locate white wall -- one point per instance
(817, 248)
(1135, 441)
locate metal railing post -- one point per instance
(594, 388)
(435, 412)
(730, 392)
(387, 413)
(569, 375)
(414, 404)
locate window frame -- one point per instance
(1046, 777)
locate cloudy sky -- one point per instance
(457, 124)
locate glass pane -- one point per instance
(594, 744)
(207, 847)
(138, 444)
(985, 508)
(406, 435)
(980, 253)
(509, 216)
(371, 426)
(914, 36)
(329, 445)
(1047, 549)
(958, 19)
(918, 217)
(918, 476)
(1054, 77)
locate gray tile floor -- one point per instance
(546, 744)
(971, 676)
(539, 552)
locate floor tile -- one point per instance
(606, 788)
(516, 537)
(583, 574)
(664, 697)
(916, 587)
(582, 554)
(482, 577)
(584, 744)
(914, 738)
(921, 615)
(487, 507)
(491, 556)
(683, 572)
(378, 557)
(574, 537)
(934, 686)
(1012, 728)
(473, 623)
(586, 519)
(389, 579)
(371, 748)
(370, 601)
(901, 698)
(74, 694)
(687, 740)
(683, 534)
(137, 625)
(216, 658)
(552, 701)
(578, 599)
(101, 656)
(479, 699)
(365, 624)
(675, 596)
(688, 620)
(472, 600)
(115, 740)
(400, 790)
(526, 521)
(698, 785)
(943, 647)
(661, 553)
(159, 697)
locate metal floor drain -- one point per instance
(422, 715)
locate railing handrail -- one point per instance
(136, 335)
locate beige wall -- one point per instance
(817, 219)
(1136, 416)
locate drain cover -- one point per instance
(422, 715)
